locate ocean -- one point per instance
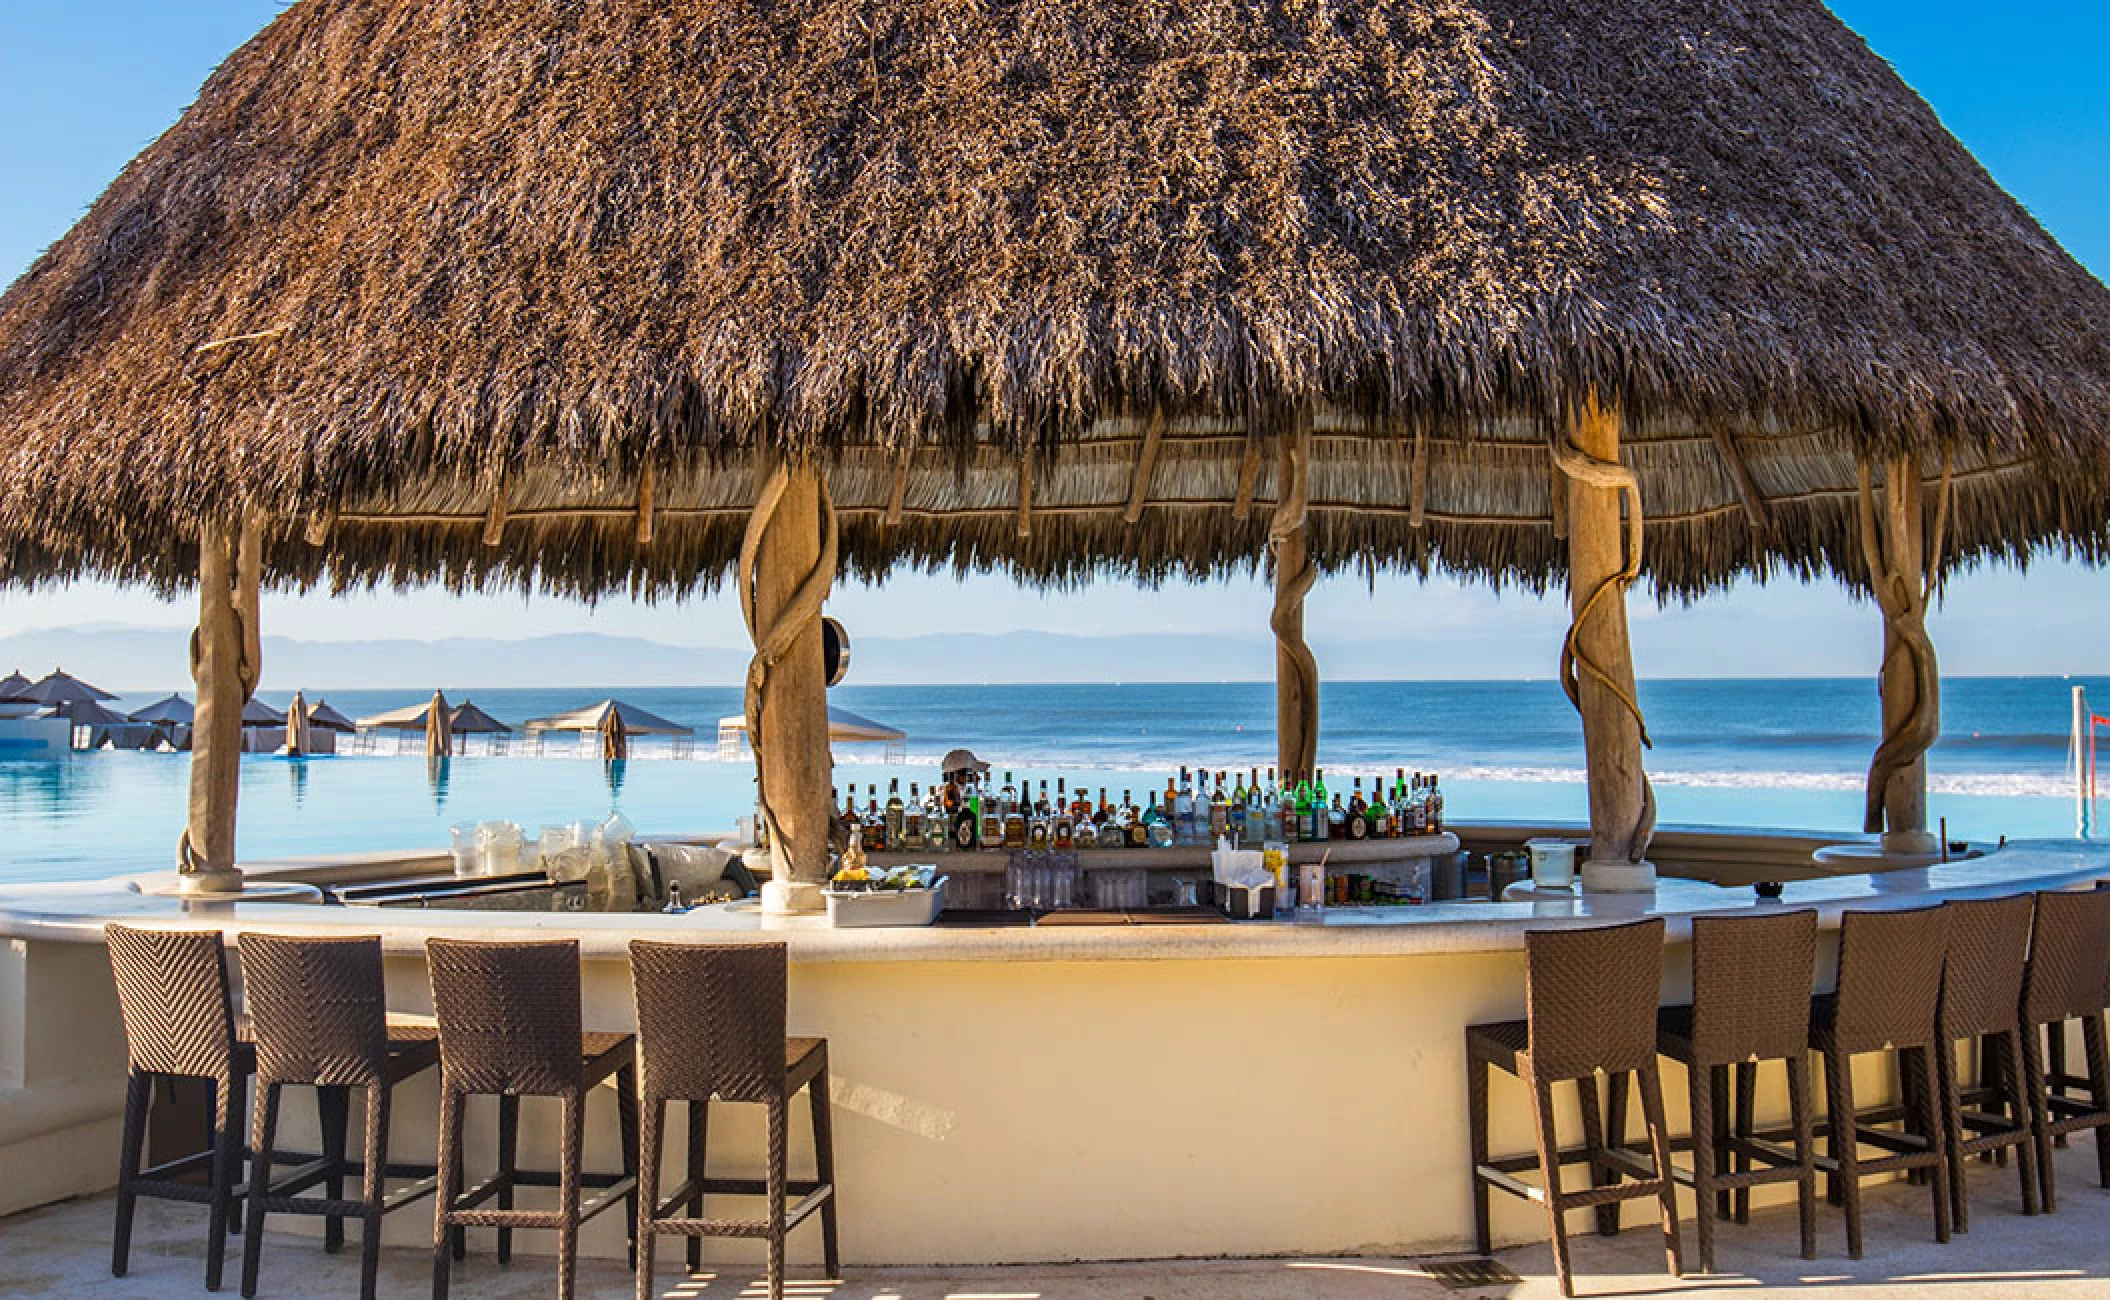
(1781, 753)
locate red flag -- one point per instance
(2098, 720)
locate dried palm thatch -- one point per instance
(514, 293)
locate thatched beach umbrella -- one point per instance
(468, 720)
(1059, 290)
(324, 718)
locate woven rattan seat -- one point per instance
(509, 1019)
(172, 993)
(1981, 1000)
(319, 1017)
(1590, 1008)
(710, 1021)
(1750, 1004)
(1888, 998)
(2068, 979)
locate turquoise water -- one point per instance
(1727, 753)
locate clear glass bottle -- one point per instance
(896, 812)
(912, 819)
(1183, 810)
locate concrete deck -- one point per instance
(63, 1251)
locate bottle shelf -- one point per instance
(1185, 857)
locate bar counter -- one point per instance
(1013, 1093)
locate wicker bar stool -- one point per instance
(1590, 1008)
(510, 1026)
(1750, 1004)
(2067, 979)
(319, 1017)
(1888, 999)
(1981, 999)
(710, 1020)
(172, 994)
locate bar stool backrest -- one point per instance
(710, 1019)
(1751, 979)
(1981, 986)
(508, 1015)
(317, 1008)
(1590, 997)
(172, 993)
(2069, 957)
(1890, 966)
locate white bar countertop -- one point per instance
(77, 912)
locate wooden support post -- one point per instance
(1894, 543)
(1289, 541)
(224, 666)
(647, 486)
(1248, 475)
(787, 564)
(1146, 465)
(1604, 555)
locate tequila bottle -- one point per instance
(896, 812)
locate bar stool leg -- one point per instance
(1805, 1150)
(374, 1189)
(2017, 1089)
(574, 1138)
(1724, 1115)
(333, 1111)
(264, 1135)
(1476, 1078)
(2098, 1087)
(1953, 1134)
(508, 1166)
(1746, 1122)
(779, 1169)
(820, 1097)
(1700, 1081)
(699, 1128)
(1845, 1142)
(2039, 1102)
(139, 1090)
(1930, 1118)
(227, 1142)
(1602, 1174)
(1659, 1145)
(444, 1234)
(626, 1123)
(1550, 1172)
(652, 1122)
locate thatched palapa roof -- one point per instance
(411, 277)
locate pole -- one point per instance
(1597, 668)
(1894, 543)
(2082, 750)
(224, 666)
(787, 564)
(1289, 542)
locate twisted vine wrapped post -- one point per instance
(226, 659)
(1597, 663)
(1902, 570)
(787, 565)
(1289, 545)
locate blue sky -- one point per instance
(84, 87)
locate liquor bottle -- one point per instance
(1132, 829)
(1377, 813)
(967, 821)
(1040, 823)
(937, 827)
(1219, 812)
(1306, 825)
(875, 822)
(1109, 834)
(1239, 796)
(1336, 820)
(1157, 829)
(1062, 830)
(896, 812)
(912, 818)
(991, 830)
(1040, 808)
(1357, 821)
(1183, 810)
(1014, 826)
(850, 816)
(1399, 793)
(1321, 826)
(1435, 805)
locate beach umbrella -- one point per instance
(468, 720)
(636, 721)
(439, 731)
(14, 686)
(256, 713)
(844, 727)
(298, 741)
(88, 713)
(61, 688)
(615, 737)
(324, 718)
(172, 710)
